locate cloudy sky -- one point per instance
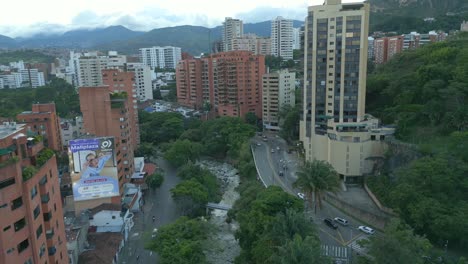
(27, 17)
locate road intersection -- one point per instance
(270, 162)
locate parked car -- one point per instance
(330, 223)
(301, 195)
(278, 148)
(281, 173)
(258, 144)
(341, 221)
(366, 230)
(272, 151)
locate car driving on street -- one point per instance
(341, 221)
(366, 230)
(330, 223)
(301, 195)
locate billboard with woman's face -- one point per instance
(93, 168)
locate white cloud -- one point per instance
(28, 17)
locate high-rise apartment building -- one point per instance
(278, 90)
(245, 42)
(296, 38)
(32, 78)
(144, 87)
(91, 64)
(370, 48)
(253, 43)
(263, 46)
(161, 57)
(232, 28)
(230, 81)
(282, 38)
(43, 120)
(335, 127)
(33, 229)
(394, 46)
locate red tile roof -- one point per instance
(150, 168)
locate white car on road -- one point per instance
(366, 230)
(301, 195)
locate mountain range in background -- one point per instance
(192, 39)
(387, 15)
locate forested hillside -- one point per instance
(425, 92)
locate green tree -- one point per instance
(301, 251)
(289, 122)
(154, 180)
(399, 245)
(204, 177)
(251, 118)
(181, 242)
(191, 196)
(146, 150)
(157, 94)
(317, 177)
(182, 151)
(258, 211)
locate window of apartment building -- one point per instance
(23, 245)
(36, 212)
(7, 182)
(33, 192)
(16, 203)
(43, 180)
(47, 216)
(39, 231)
(42, 250)
(29, 261)
(19, 224)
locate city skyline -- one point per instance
(144, 15)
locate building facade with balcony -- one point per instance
(278, 90)
(282, 38)
(334, 126)
(229, 81)
(30, 201)
(43, 120)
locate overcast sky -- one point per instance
(21, 18)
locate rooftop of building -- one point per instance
(9, 128)
(106, 246)
(105, 207)
(74, 224)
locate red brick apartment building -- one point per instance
(230, 81)
(386, 48)
(32, 224)
(43, 120)
(110, 110)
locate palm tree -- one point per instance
(301, 251)
(317, 177)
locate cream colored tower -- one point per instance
(335, 127)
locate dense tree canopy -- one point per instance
(181, 242)
(182, 151)
(273, 228)
(14, 101)
(160, 127)
(423, 91)
(399, 245)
